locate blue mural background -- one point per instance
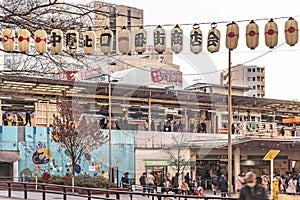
(39, 153)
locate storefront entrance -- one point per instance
(6, 171)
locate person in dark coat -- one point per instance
(223, 185)
(251, 190)
(27, 118)
(143, 181)
(175, 183)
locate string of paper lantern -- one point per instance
(124, 37)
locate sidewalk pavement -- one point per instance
(18, 195)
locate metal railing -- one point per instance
(91, 193)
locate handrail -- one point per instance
(90, 193)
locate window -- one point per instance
(249, 78)
(253, 78)
(253, 70)
(258, 69)
(249, 70)
(254, 87)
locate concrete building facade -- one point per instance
(251, 76)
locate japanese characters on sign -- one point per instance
(176, 39)
(72, 39)
(89, 41)
(140, 40)
(56, 41)
(166, 76)
(213, 39)
(106, 41)
(196, 39)
(124, 42)
(159, 39)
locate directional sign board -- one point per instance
(271, 155)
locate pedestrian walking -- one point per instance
(214, 183)
(251, 190)
(223, 185)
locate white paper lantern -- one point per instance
(159, 39)
(89, 41)
(291, 31)
(106, 41)
(176, 39)
(23, 40)
(271, 34)
(40, 41)
(196, 39)
(232, 35)
(252, 35)
(124, 40)
(8, 39)
(72, 40)
(140, 40)
(56, 41)
(213, 39)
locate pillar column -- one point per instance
(237, 162)
(16, 171)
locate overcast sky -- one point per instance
(282, 63)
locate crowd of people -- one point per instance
(15, 119)
(249, 186)
(150, 182)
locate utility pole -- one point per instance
(229, 126)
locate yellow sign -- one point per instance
(275, 189)
(271, 154)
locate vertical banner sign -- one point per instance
(23, 40)
(252, 35)
(89, 41)
(176, 39)
(72, 39)
(159, 39)
(8, 39)
(106, 41)
(196, 39)
(140, 40)
(213, 39)
(56, 41)
(40, 41)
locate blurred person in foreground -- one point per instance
(251, 190)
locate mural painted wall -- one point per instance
(39, 153)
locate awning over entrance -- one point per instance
(8, 156)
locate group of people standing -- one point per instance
(16, 119)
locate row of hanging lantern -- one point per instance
(140, 39)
